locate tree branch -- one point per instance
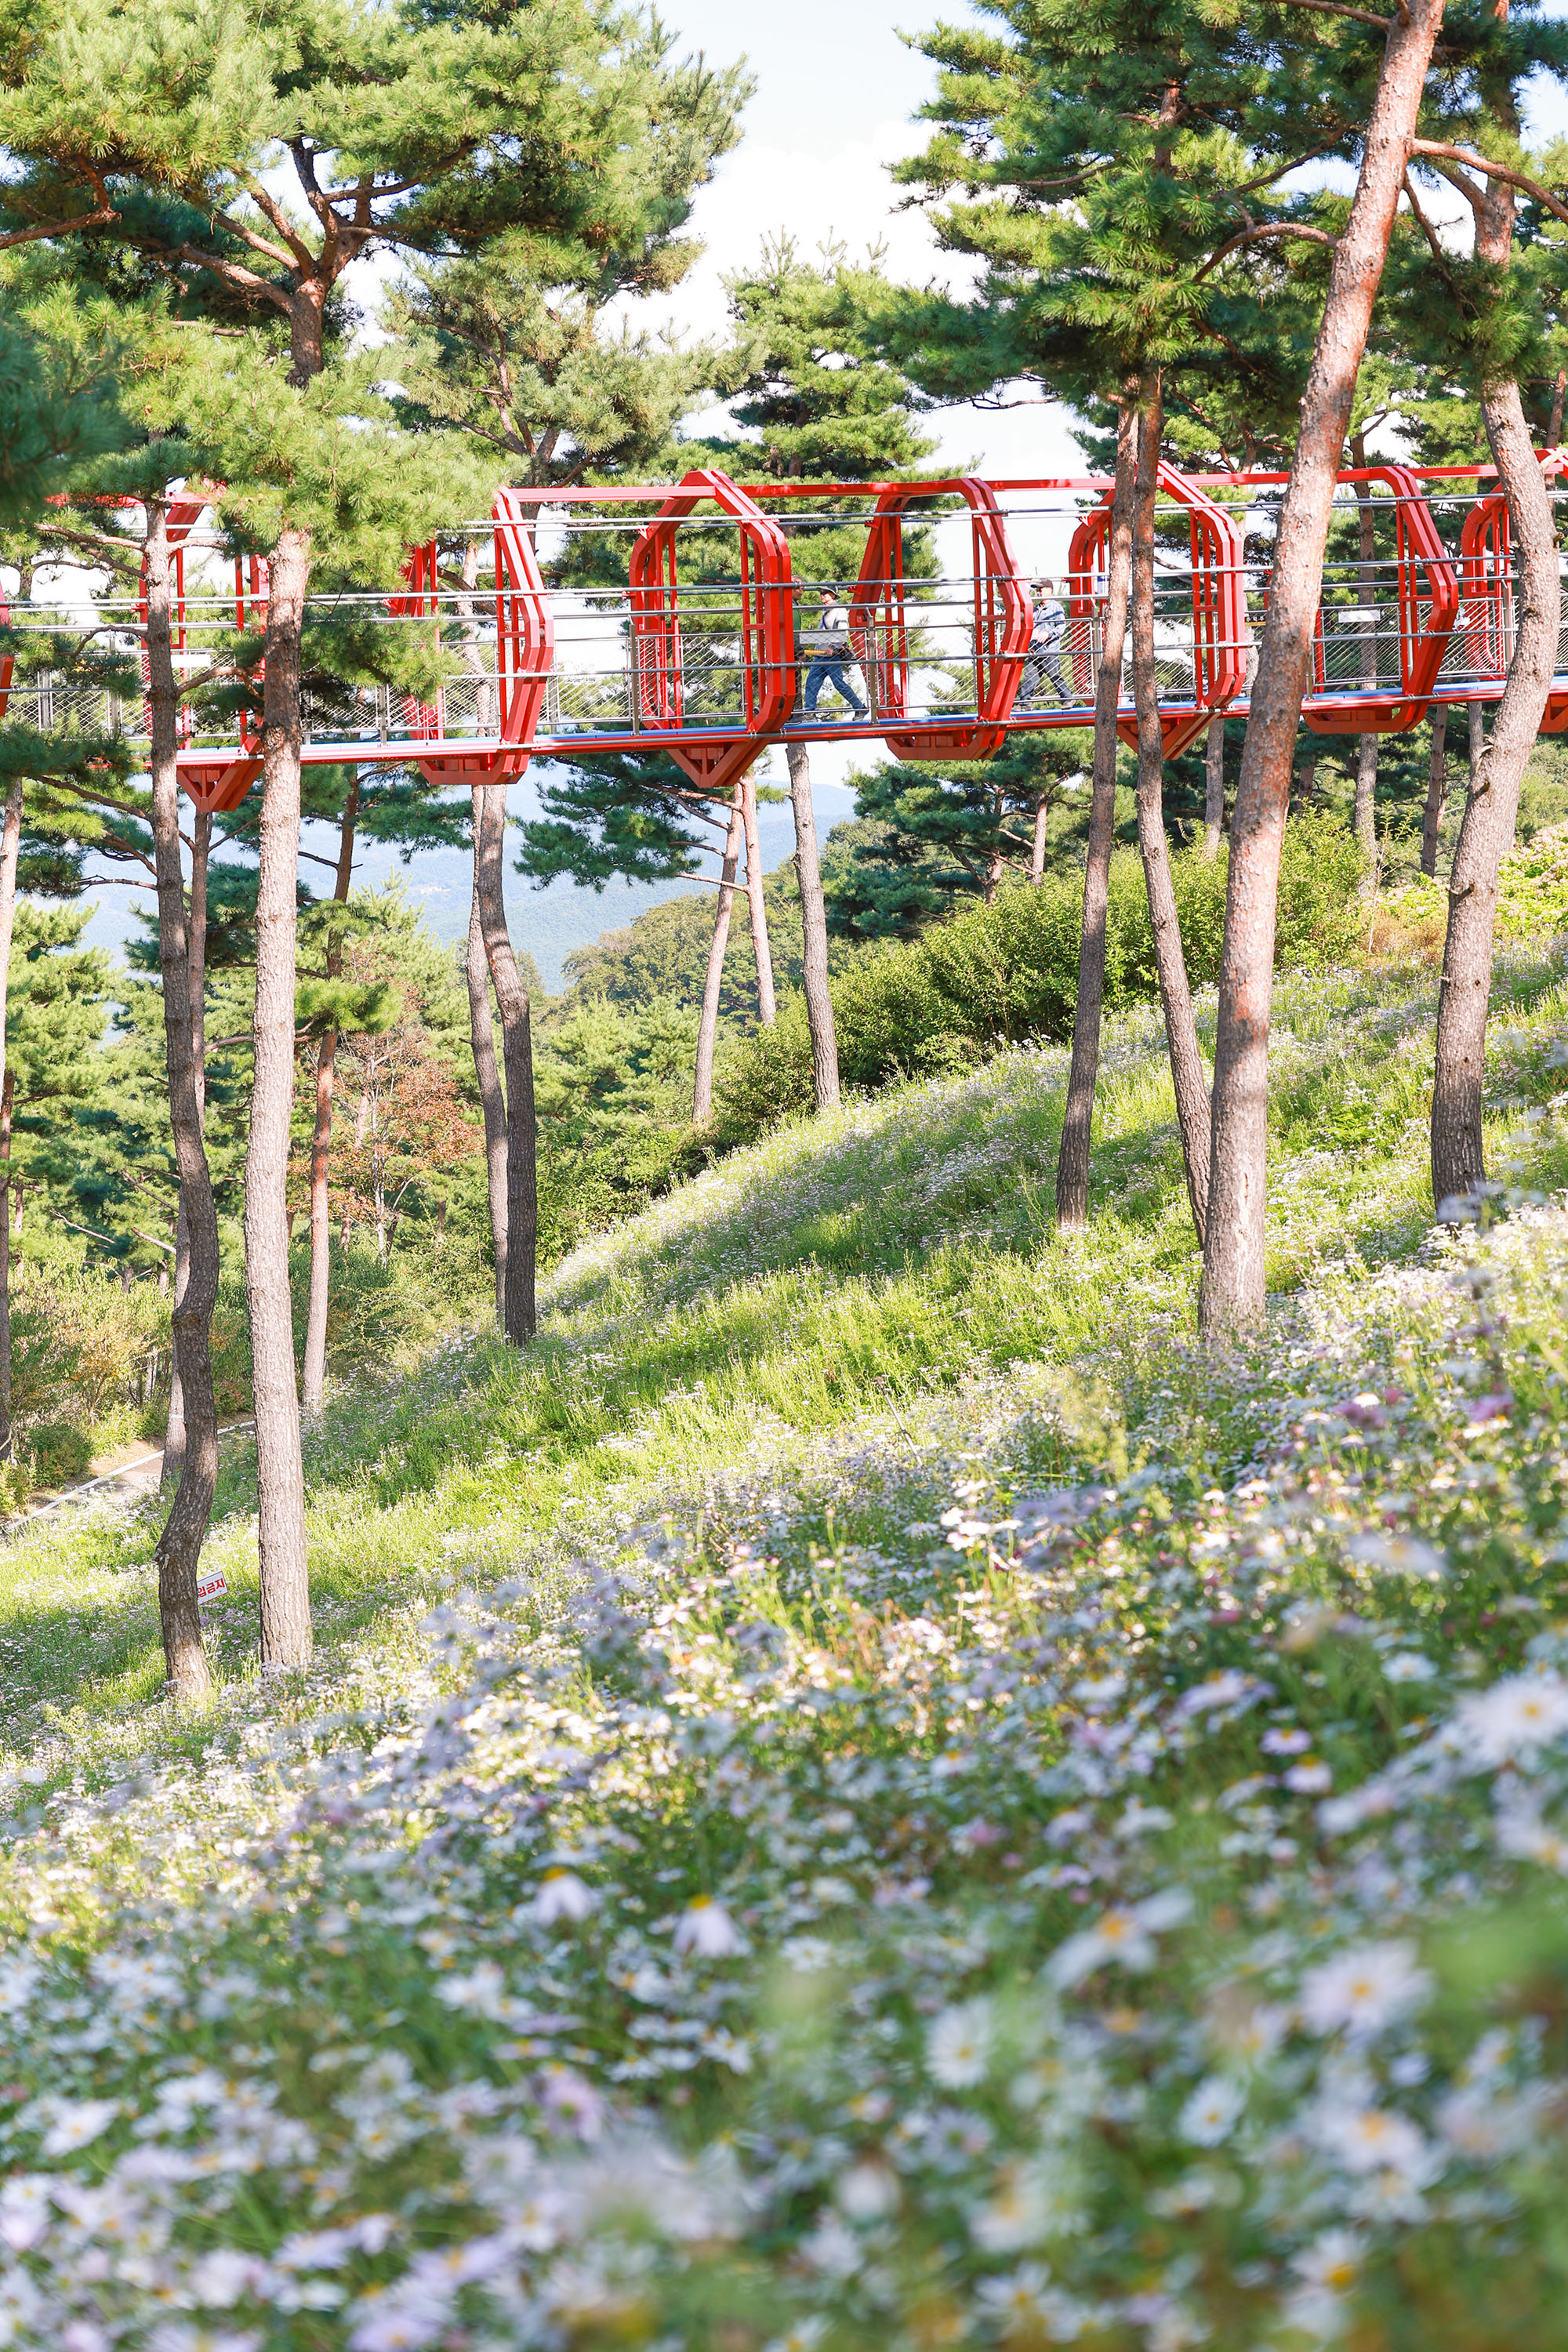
(1361, 16)
(1270, 228)
(98, 219)
(1437, 152)
(233, 273)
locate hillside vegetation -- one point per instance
(862, 1786)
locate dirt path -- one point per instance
(124, 1476)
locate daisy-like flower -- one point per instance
(561, 1896)
(1514, 1719)
(1211, 2112)
(76, 2122)
(1523, 1833)
(960, 2044)
(1361, 1993)
(706, 1930)
(1124, 1935)
(482, 1991)
(399, 2327)
(1373, 2139)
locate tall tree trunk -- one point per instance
(520, 1318)
(1364, 822)
(757, 906)
(1554, 429)
(315, 1380)
(1437, 789)
(1233, 1285)
(10, 851)
(1037, 843)
(1477, 743)
(1072, 1160)
(708, 1027)
(1364, 819)
(179, 1547)
(814, 925)
(481, 1030)
(174, 1460)
(1491, 808)
(1170, 964)
(1214, 787)
(286, 1631)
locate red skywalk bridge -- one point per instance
(680, 620)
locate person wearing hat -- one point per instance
(1048, 629)
(828, 643)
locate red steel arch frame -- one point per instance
(1219, 607)
(878, 621)
(1422, 644)
(766, 629)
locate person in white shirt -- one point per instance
(1049, 627)
(828, 644)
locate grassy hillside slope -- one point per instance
(866, 1787)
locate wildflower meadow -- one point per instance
(868, 1789)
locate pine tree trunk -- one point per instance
(1363, 820)
(1170, 964)
(10, 851)
(708, 1027)
(1491, 809)
(286, 1631)
(1037, 844)
(1073, 1161)
(174, 1460)
(1477, 743)
(1437, 789)
(520, 1318)
(814, 925)
(1232, 1297)
(179, 1547)
(315, 1381)
(1214, 787)
(757, 906)
(481, 1030)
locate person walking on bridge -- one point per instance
(828, 643)
(1049, 627)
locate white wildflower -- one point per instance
(1408, 1666)
(960, 2044)
(482, 1991)
(1042, 2199)
(1513, 1720)
(19, 1979)
(24, 2209)
(75, 2122)
(1123, 1935)
(1521, 1831)
(399, 2327)
(561, 1896)
(1362, 1992)
(1210, 2114)
(867, 2193)
(1366, 2140)
(706, 1930)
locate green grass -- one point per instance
(807, 1284)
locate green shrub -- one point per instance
(1000, 974)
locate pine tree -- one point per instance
(1500, 330)
(442, 128)
(1109, 165)
(824, 403)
